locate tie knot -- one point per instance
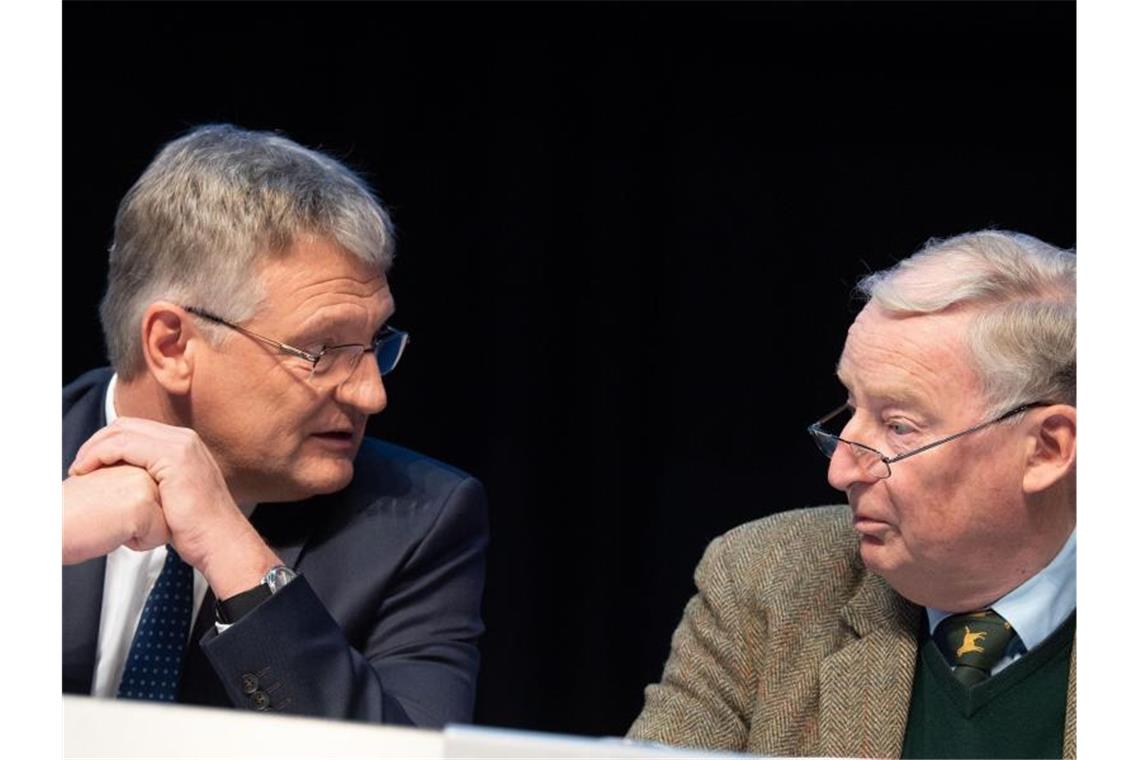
(973, 642)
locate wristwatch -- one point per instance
(229, 611)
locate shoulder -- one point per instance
(395, 489)
(397, 472)
(787, 554)
(793, 532)
(82, 410)
(86, 389)
(400, 505)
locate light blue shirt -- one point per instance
(1037, 607)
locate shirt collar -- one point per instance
(109, 400)
(1037, 607)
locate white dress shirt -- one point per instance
(129, 578)
(1037, 607)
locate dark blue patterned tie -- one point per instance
(155, 660)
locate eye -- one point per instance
(898, 427)
(317, 347)
(313, 349)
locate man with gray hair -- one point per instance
(230, 537)
(934, 615)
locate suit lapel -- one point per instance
(82, 602)
(864, 687)
(83, 583)
(1069, 743)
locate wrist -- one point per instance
(238, 565)
(229, 611)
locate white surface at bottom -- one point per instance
(99, 728)
(484, 742)
(122, 728)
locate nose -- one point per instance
(844, 470)
(363, 389)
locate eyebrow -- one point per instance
(332, 325)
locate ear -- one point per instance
(169, 340)
(1051, 450)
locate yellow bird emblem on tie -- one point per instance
(970, 642)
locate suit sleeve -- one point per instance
(707, 688)
(419, 662)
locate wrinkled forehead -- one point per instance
(909, 357)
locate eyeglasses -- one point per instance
(872, 461)
(330, 365)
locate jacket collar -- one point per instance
(864, 687)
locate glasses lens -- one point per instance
(826, 435)
(826, 442)
(870, 460)
(333, 366)
(389, 349)
(336, 365)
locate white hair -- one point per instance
(211, 206)
(1024, 293)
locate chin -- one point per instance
(876, 556)
(329, 478)
(312, 479)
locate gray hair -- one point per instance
(1023, 337)
(213, 205)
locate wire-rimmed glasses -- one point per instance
(330, 365)
(874, 462)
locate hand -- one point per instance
(108, 508)
(206, 527)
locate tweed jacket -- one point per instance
(791, 647)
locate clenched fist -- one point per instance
(108, 508)
(205, 526)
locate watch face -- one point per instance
(278, 577)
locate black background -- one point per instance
(628, 236)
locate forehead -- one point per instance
(316, 278)
(915, 360)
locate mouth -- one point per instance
(343, 439)
(869, 527)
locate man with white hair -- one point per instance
(220, 473)
(933, 615)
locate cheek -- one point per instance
(924, 509)
(272, 416)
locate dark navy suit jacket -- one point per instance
(382, 622)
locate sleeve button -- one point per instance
(249, 683)
(260, 700)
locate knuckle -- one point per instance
(141, 485)
(187, 439)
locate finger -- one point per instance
(100, 515)
(81, 463)
(131, 426)
(141, 445)
(121, 449)
(99, 453)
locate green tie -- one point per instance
(973, 642)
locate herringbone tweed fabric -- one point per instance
(790, 647)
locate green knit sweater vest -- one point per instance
(1020, 712)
